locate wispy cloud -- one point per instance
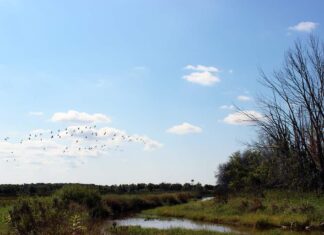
(184, 128)
(244, 98)
(33, 113)
(246, 117)
(202, 68)
(304, 26)
(80, 117)
(227, 107)
(202, 75)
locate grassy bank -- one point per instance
(275, 209)
(134, 230)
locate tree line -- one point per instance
(45, 189)
(289, 150)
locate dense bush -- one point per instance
(39, 217)
(130, 203)
(67, 212)
(245, 171)
(73, 208)
(86, 196)
(255, 171)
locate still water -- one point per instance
(172, 223)
(189, 224)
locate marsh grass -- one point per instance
(275, 209)
(121, 204)
(136, 230)
(4, 219)
(75, 209)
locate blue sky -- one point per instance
(165, 74)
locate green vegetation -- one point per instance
(134, 230)
(41, 189)
(121, 204)
(275, 209)
(75, 209)
(4, 218)
(45, 216)
(247, 171)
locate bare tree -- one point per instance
(293, 123)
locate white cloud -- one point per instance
(227, 107)
(203, 75)
(304, 26)
(32, 113)
(38, 131)
(243, 118)
(73, 143)
(202, 68)
(149, 143)
(244, 98)
(79, 117)
(184, 128)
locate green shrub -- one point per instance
(87, 197)
(184, 197)
(306, 207)
(82, 195)
(38, 216)
(275, 208)
(256, 205)
(244, 205)
(132, 203)
(100, 212)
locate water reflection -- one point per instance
(206, 199)
(172, 223)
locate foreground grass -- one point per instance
(75, 209)
(4, 213)
(275, 209)
(136, 230)
(5, 206)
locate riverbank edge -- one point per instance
(137, 230)
(263, 222)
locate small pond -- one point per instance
(207, 199)
(173, 223)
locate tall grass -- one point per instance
(275, 209)
(121, 204)
(74, 209)
(135, 230)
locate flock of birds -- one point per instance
(79, 138)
